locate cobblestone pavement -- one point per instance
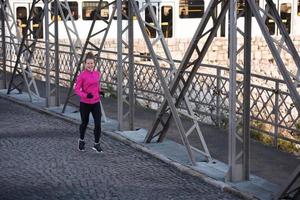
(39, 160)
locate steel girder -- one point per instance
(25, 51)
(3, 46)
(239, 137)
(27, 48)
(238, 158)
(180, 84)
(239, 129)
(121, 59)
(55, 12)
(71, 29)
(285, 43)
(51, 53)
(292, 188)
(170, 107)
(291, 79)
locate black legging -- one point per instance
(85, 110)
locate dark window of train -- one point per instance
(271, 25)
(125, 10)
(241, 7)
(89, 7)
(73, 7)
(191, 8)
(167, 21)
(37, 28)
(150, 31)
(285, 14)
(21, 19)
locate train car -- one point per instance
(178, 18)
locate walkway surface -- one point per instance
(270, 168)
(39, 160)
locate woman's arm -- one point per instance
(78, 87)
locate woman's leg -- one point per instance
(96, 112)
(84, 113)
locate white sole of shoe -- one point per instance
(96, 150)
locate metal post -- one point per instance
(56, 55)
(119, 65)
(234, 170)
(47, 63)
(218, 98)
(71, 64)
(246, 93)
(3, 48)
(131, 65)
(223, 27)
(276, 113)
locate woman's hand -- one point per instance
(89, 96)
(102, 94)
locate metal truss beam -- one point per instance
(180, 84)
(51, 53)
(54, 11)
(235, 167)
(123, 58)
(245, 174)
(292, 80)
(285, 43)
(24, 72)
(52, 46)
(120, 71)
(3, 47)
(169, 94)
(71, 29)
(239, 138)
(131, 103)
(292, 188)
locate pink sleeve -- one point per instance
(78, 86)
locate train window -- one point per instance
(191, 8)
(125, 10)
(270, 24)
(167, 21)
(285, 14)
(151, 31)
(73, 7)
(21, 20)
(36, 19)
(241, 7)
(88, 9)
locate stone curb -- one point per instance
(219, 184)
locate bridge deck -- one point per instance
(269, 167)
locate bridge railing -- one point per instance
(272, 111)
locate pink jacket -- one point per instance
(88, 82)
